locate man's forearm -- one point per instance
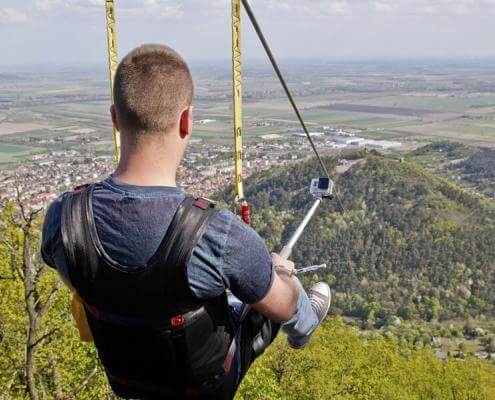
(293, 288)
(281, 302)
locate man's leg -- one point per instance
(257, 333)
(236, 307)
(310, 312)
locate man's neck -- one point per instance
(148, 165)
(133, 176)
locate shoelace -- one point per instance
(318, 303)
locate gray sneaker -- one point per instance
(320, 298)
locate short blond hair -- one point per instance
(153, 84)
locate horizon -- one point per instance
(264, 63)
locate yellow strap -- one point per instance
(113, 63)
(237, 91)
(79, 314)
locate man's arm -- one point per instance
(52, 250)
(246, 267)
(279, 305)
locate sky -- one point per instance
(72, 32)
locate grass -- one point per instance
(383, 135)
(436, 102)
(13, 153)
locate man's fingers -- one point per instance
(278, 260)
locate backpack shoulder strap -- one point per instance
(78, 247)
(83, 251)
(185, 230)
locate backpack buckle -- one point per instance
(177, 321)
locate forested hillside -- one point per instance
(408, 244)
(341, 364)
(469, 166)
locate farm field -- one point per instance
(68, 109)
(10, 154)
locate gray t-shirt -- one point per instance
(131, 222)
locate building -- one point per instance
(312, 134)
(382, 144)
(350, 141)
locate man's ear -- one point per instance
(186, 122)
(113, 113)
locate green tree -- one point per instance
(40, 352)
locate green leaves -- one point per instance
(342, 364)
(405, 235)
(60, 361)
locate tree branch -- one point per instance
(49, 301)
(34, 214)
(13, 251)
(7, 244)
(45, 336)
(55, 378)
(81, 386)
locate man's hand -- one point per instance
(283, 266)
(280, 303)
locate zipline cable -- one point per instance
(274, 63)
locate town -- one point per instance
(206, 169)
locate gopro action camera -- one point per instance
(322, 187)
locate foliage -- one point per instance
(469, 166)
(60, 361)
(449, 150)
(409, 244)
(341, 364)
(480, 168)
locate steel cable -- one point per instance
(274, 63)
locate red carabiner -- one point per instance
(246, 217)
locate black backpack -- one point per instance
(154, 338)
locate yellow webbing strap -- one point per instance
(237, 91)
(113, 63)
(79, 314)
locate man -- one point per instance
(164, 278)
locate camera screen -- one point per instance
(323, 183)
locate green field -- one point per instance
(412, 104)
(435, 102)
(11, 153)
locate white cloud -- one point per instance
(150, 8)
(280, 9)
(462, 7)
(381, 6)
(10, 15)
(360, 8)
(339, 7)
(46, 4)
(429, 9)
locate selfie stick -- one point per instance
(287, 250)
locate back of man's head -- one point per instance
(153, 85)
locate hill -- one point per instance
(469, 166)
(409, 244)
(342, 364)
